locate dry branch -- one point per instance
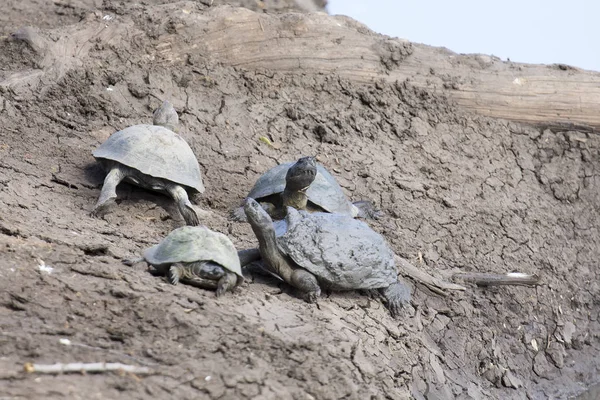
(546, 95)
(512, 278)
(59, 368)
(436, 285)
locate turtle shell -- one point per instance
(155, 151)
(325, 192)
(343, 252)
(194, 243)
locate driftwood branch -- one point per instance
(485, 279)
(59, 368)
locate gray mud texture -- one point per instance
(459, 192)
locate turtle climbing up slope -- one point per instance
(153, 157)
(310, 250)
(324, 193)
(197, 256)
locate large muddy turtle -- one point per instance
(320, 193)
(198, 256)
(153, 157)
(335, 251)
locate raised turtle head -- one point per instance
(301, 174)
(166, 116)
(256, 215)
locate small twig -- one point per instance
(84, 367)
(94, 273)
(436, 285)
(67, 342)
(261, 25)
(511, 278)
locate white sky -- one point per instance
(531, 31)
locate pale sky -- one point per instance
(531, 31)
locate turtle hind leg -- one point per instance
(227, 283)
(366, 209)
(397, 295)
(186, 209)
(109, 190)
(307, 283)
(175, 273)
(248, 256)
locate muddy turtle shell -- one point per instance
(156, 151)
(343, 252)
(194, 243)
(325, 192)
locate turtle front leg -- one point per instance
(109, 191)
(397, 295)
(186, 209)
(307, 284)
(226, 283)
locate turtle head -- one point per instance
(255, 214)
(166, 116)
(301, 174)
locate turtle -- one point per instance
(198, 256)
(153, 157)
(333, 251)
(323, 194)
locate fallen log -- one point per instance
(544, 95)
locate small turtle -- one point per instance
(321, 192)
(310, 250)
(198, 256)
(153, 157)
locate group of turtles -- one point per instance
(305, 226)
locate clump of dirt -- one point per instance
(459, 192)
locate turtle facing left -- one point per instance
(153, 157)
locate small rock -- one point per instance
(556, 353)
(448, 202)
(362, 362)
(567, 332)
(493, 374)
(409, 185)
(511, 381)
(541, 367)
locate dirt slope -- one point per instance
(460, 193)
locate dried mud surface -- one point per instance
(459, 192)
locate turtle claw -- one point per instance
(190, 216)
(313, 296)
(395, 307)
(397, 296)
(174, 275)
(101, 209)
(226, 283)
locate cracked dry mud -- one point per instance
(460, 192)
